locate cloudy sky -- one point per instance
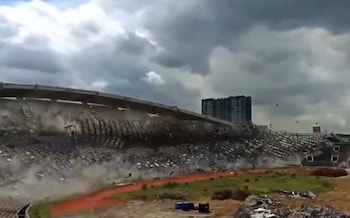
(293, 53)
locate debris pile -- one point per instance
(258, 206)
(295, 194)
(319, 212)
(262, 207)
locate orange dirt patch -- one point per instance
(100, 199)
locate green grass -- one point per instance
(255, 183)
(42, 209)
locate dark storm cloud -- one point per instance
(271, 82)
(29, 58)
(187, 43)
(32, 54)
(287, 14)
(24, 76)
(191, 33)
(120, 62)
(168, 60)
(108, 60)
(133, 44)
(292, 99)
(161, 94)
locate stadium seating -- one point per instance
(4, 214)
(10, 207)
(65, 157)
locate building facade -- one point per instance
(236, 109)
(316, 129)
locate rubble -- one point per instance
(295, 194)
(262, 201)
(264, 207)
(258, 206)
(319, 212)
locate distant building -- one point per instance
(263, 128)
(316, 129)
(236, 109)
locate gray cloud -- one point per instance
(202, 25)
(21, 57)
(133, 44)
(291, 53)
(85, 29)
(182, 97)
(7, 30)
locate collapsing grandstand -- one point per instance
(84, 139)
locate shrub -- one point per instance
(328, 172)
(268, 171)
(174, 195)
(236, 194)
(141, 197)
(240, 194)
(278, 174)
(144, 187)
(222, 194)
(171, 185)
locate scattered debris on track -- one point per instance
(295, 194)
(263, 206)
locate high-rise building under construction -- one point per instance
(236, 109)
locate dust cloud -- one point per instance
(293, 160)
(86, 179)
(27, 185)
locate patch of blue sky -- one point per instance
(60, 4)
(12, 2)
(66, 4)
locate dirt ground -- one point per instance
(98, 204)
(156, 209)
(136, 209)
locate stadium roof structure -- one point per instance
(37, 92)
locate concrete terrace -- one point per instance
(37, 92)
